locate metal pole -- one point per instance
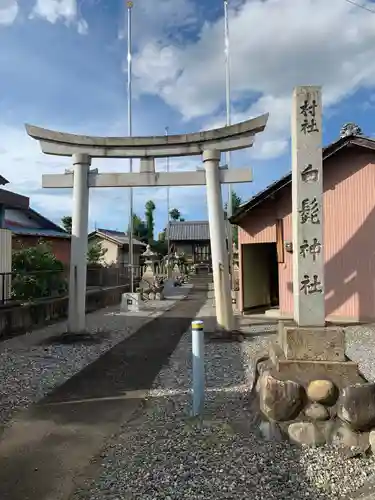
(228, 122)
(130, 132)
(197, 332)
(168, 192)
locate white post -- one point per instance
(197, 341)
(220, 267)
(78, 252)
(307, 202)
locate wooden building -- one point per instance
(265, 238)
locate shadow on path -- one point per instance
(45, 449)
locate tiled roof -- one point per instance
(188, 231)
(28, 222)
(118, 236)
(41, 233)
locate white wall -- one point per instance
(111, 255)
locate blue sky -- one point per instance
(63, 67)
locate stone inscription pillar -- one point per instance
(307, 207)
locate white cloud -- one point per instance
(8, 11)
(66, 11)
(158, 20)
(82, 27)
(275, 45)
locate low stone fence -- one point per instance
(20, 318)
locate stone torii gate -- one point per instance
(209, 143)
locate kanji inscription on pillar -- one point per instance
(307, 203)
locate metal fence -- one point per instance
(21, 287)
(111, 276)
(5, 287)
(38, 284)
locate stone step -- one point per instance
(341, 373)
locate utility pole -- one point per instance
(129, 5)
(228, 123)
(168, 199)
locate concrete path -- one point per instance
(45, 450)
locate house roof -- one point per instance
(28, 222)
(3, 180)
(188, 231)
(13, 200)
(272, 189)
(118, 237)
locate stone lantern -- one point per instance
(235, 278)
(176, 267)
(150, 260)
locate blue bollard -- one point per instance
(197, 331)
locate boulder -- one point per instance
(306, 433)
(279, 400)
(322, 391)
(356, 406)
(351, 443)
(316, 411)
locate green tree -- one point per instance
(160, 246)
(139, 229)
(175, 214)
(149, 213)
(66, 223)
(96, 253)
(236, 202)
(37, 273)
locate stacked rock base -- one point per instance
(308, 391)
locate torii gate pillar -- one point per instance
(78, 248)
(219, 254)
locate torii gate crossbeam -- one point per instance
(210, 144)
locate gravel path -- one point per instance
(33, 364)
(360, 346)
(166, 454)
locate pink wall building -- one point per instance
(265, 229)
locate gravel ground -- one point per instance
(360, 346)
(31, 365)
(166, 454)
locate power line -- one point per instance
(364, 7)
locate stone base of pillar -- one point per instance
(131, 302)
(307, 391)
